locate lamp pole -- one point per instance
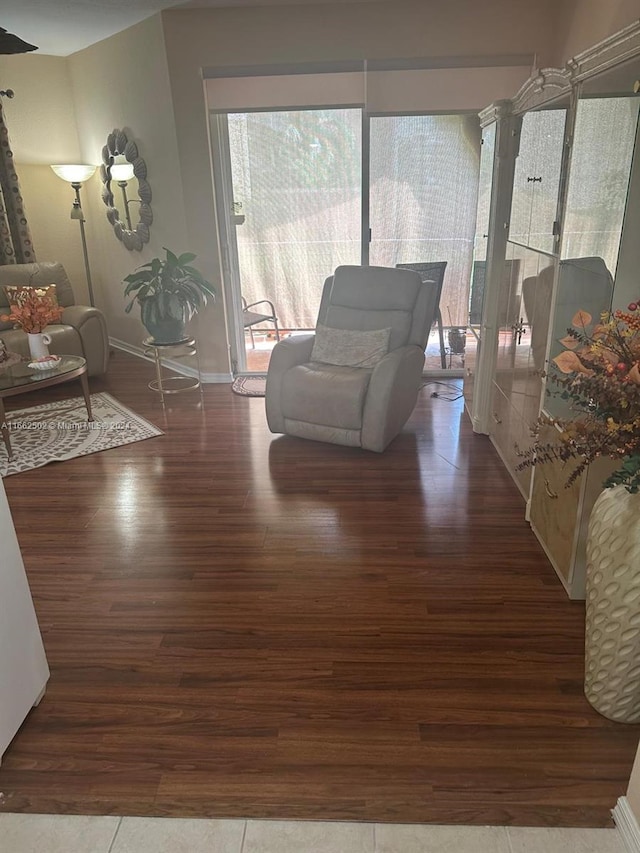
(76, 213)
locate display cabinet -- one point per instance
(571, 213)
(603, 183)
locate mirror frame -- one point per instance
(118, 144)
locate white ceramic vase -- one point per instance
(38, 344)
(612, 637)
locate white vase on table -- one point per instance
(38, 344)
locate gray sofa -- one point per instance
(328, 400)
(81, 331)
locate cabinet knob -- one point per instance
(496, 418)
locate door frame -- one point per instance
(223, 190)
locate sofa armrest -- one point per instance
(393, 391)
(286, 354)
(92, 329)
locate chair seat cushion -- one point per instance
(250, 318)
(325, 394)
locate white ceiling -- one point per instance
(61, 27)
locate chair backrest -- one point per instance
(36, 275)
(429, 271)
(367, 298)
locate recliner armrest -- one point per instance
(77, 315)
(393, 391)
(286, 354)
(92, 328)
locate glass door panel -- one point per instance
(536, 182)
(297, 188)
(424, 174)
(603, 146)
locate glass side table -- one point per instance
(164, 384)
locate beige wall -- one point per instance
(122, 82)
(41, 118)
(583, 23)
(63, 110)
(251, 35)
(42, 130)
(56, 237)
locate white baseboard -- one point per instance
(177, 366)
(627, 824)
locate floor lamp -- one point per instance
(75, 175)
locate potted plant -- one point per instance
(599, 374)
(170, 291)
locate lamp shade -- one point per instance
(75, 174)
(121, 171)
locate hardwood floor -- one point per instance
(241, 625)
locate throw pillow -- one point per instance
(350, 347)
(17, 293)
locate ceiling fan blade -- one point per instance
(12, 44)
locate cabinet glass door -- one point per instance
(537, 179)
(600, 165)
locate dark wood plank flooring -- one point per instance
(240, 625)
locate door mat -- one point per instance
(250, 386)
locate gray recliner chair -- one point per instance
(356, 381)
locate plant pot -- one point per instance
(457, 340)
(612, 636)
(163, 330)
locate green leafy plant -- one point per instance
(599, 374)
(168, 288)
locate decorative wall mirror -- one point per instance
(122, 166)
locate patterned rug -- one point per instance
(54, 432)
(250, 386)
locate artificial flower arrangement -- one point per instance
(34, 312)
(599, 373)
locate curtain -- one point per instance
(15, 238)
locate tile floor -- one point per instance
(78, 834)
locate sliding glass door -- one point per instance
(296, 180)
(298, 189)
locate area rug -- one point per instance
(250, 386)
(54, 432)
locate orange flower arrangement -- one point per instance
(600, 377)
(34, 313)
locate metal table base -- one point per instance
(163, 384)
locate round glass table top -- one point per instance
(21, 375)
